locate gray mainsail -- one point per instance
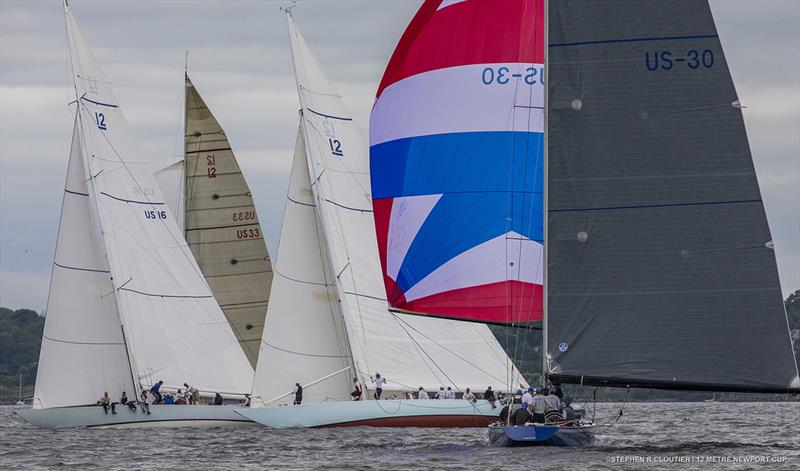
(660, 267)
(222, 226)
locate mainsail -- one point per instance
(222, 226)
(660, 266)
(342, 289)
(170, 323)
(457, 162)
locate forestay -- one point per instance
(174, 329)
(457, 162)
(222, 226)
(83, 351)
(409, 352)
(661, 270)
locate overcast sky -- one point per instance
(241, 64)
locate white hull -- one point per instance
(160, 416)
(385, 413)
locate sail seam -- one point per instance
(645, 206)
(635, 40)
(220, 227)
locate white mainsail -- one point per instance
(408, 352)
(304, 336)
(83, 350)
(174, 329)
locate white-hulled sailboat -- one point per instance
(128, 305)
(328, 320)
(214, 207)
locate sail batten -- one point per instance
(659, 260)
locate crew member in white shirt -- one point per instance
(469, 395)
(449, 394)
(422, 394)
(379, 382)
(441, 394)
(527, 398)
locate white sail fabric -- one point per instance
(171, 180)
(83, 350)
(175, 330)
(222, 226)
(304, 336)
(408, 352)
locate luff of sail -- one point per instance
(83, 349)
(222, 226)
(408, 352)
(456, 162)
(660, 266)
(174, 329)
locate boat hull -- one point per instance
(384, 413)
(160, 416)
(540, 435)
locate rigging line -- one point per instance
(447, 349)
(422, 350)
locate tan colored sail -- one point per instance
(222, 226)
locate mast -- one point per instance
(95, 215)
(546, 153)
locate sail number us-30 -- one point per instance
(669, 60)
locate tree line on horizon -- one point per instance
(21, 338)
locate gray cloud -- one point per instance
(240, 62)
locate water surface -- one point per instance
(649, 436)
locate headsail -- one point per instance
(457, 162)
(661, 270)
(174, 329)
(408, 352)
(83, 351)
(222, 226)
(304, 336)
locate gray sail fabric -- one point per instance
(660, 266)
(222, 227)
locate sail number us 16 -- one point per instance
(668, 60)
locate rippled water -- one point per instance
(650, 435)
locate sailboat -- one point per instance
(660, 269)
(328, 321)
(208, 193)
(128, 304)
